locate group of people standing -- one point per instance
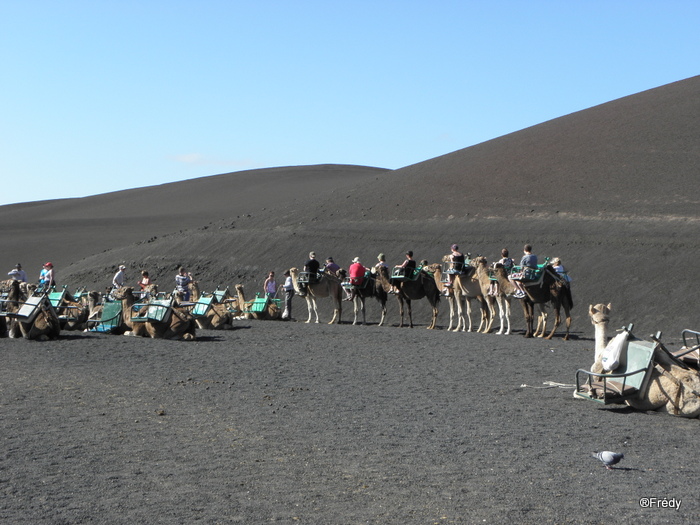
(182, 281)
(47, 276)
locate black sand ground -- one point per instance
(296, 423)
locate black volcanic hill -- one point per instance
(610, 190)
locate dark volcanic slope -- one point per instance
(638, 155)
(609, 189)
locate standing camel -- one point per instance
(412, 290)
(372, 287)
(327, 286)
(550, 289)
(466, 288)
(503, 300)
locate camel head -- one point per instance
(123, 292)
(294, 274)
(15, 290)
(151, 289)
(435, 267)
(600, 313)
(27, 289)
(480, 260)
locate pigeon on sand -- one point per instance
(609, 458)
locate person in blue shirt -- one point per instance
(529, 260)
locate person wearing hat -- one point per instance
(47, 277)
(382, 262)
(561, 271)
(18, 274)
(119, 278)
(356, 273)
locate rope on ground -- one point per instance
(549, 384)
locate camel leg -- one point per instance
(542, 319)
(501, 314)
(505, 304)
(483, 309)
(410, 313)
(568, 323)
(491, 305)
(469, 314)
(338, 309)
(433, 323)
(451, 302)
(383, 303)
(358, 305)
(311, 305)
(400, 301)
(461, 321)
(336, 317)
(557, 322)
(528, 313)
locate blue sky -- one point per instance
(104, 95)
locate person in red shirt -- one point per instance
(356, 272)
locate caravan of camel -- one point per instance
(33, 315)
(647, 377)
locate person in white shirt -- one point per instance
(119, 278)
(288, 294)
(18, 274)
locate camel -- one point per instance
(271, 311)
(180, 324)
(673, 387)
(42, 324)
(550, 290)
(216, 317)
(503, 300)
(600, 317)
(72, 313)
(327, 286)
(125, 294)
(412, 290)
(372, 288)
(94, 308)
(464, 289)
